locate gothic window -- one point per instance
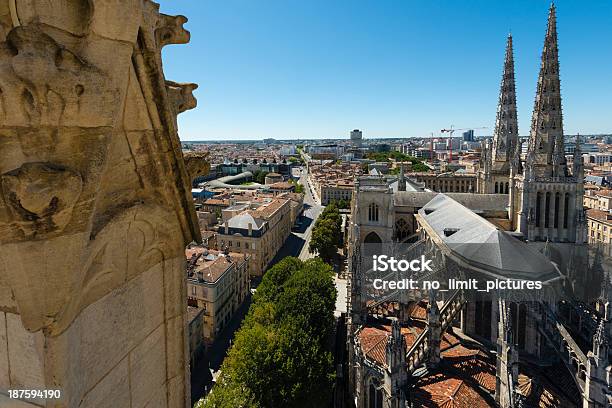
(372, 244)
(402, 229)
(373, 212)
(566, 210)
(507, 187)
(557, 196)
(496, 187)
(518, 318)
(375, 397)
(547, 211)
(538, 207)
(483, 319)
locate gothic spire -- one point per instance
(401, 184)
(600, 341)
(578, 165)
(546, 136)
(505, 135)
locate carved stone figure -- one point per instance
(197, 164)
(95, 206)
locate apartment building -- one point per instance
(259, 230)
(333, 182)
(217, 284)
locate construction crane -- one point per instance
(450, 138)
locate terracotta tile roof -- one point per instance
(418, 310)
(599, 215)
(448, 340)
(212, 264)
(215, 201)
(605, 193)
(281, 185)
(442, 391)
(546, 389)
(373, 340)
(299, 197)
(472, 363)
(266, 211)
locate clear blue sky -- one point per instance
(393, 68)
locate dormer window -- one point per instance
(450, 231)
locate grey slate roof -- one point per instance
(480, 243)
(243, 220)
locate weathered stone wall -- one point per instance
(95, 206)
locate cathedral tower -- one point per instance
(494, 178)
(548, 198)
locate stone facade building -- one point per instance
(416, 348)
(218, 283)
(259, 232)
(598, 199)
(95, 206)
(447, 182)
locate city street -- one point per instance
(297, 243)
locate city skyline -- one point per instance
(353, 67)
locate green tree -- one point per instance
(327, 233)
(343, 204)
(228, 395)
(281, 355)
(420, 167)
(260, 176)
(322, 243)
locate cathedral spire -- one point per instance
(546, 136)
(578, 165)
(401, 184)
(505, 135)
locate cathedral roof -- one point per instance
(464, 379)
(481, 244)
(373, 340)
(443, 391)
(478, 203)
(550, 388)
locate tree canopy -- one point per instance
(327, 233)
(417, 164)
(281, 355)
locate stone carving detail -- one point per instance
(181, 96)
(197, 164)
(94, 195)
(170, 30)
(41, 196)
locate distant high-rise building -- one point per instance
(356, 137)
(468, 136)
